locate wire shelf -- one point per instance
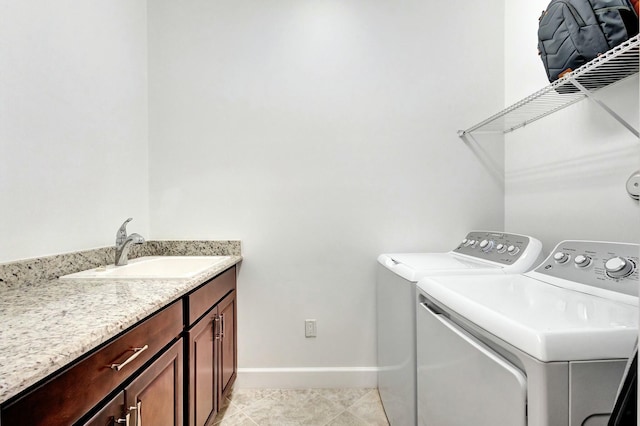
(615, 65)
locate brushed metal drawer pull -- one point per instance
(138, 409)
(126, 420)
(216, 327)
(136, 353)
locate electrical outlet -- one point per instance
(310, 329)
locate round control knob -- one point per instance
(464, 241)
(619, 267)
(501, 248)
(582, 261)
(561, 257)
(469, 243)
(513, 250)
(486, 245)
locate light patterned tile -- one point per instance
(292, 409)
(305, 407)
(293, 396)
(347, 419)
(343, 397)
(227, 409)
(244, 398)
(369, 408)
(236, 419)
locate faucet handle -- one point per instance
(121, 235)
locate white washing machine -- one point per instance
(544, 348)
(480, 252)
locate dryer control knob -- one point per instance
(582, 261)
(619, 267)
(501, 248)
(464, 241)
(513, 250)
(486, 245)
(469, 243)
(561, 257)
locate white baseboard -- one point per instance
(301, 378)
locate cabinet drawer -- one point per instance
(201, 300)
(67, 396)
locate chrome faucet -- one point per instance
(123, 243)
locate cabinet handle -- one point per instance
(126, 419)
(136, 354)
(138, 409)
(216, 327)
(222, 326)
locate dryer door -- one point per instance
(463, 382)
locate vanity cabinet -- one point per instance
(211, 346)
(172, 368)
(75, 390)
(154, 397)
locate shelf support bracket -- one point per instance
(495, 170)
(604, 106)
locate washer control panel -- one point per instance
(498, 247)
(610, 266)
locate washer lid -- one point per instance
(414, 266)
(549, 323)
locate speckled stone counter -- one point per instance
(48, 325)
(30, 272)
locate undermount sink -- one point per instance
(152, 267)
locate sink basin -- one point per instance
(152, 267)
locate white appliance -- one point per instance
(544, 348)
(481, 252)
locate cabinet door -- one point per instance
(155, 397)
(111, 414)
(201, 369)
(228, 358)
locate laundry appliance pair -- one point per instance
(470, 337)
(479, 253)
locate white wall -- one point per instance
(320, 133)
(566, 174)
(73, 124)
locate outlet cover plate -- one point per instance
(310, 328)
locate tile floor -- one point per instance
(302, 407)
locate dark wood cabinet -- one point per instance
(228, 344)
(171, 368)
(75, 390)
(155, 397)
(202, 398)
(211, 347)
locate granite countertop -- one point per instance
(46, 327)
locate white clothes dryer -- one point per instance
(480, 252)
(544, 348)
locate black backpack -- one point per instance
(574, 32)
